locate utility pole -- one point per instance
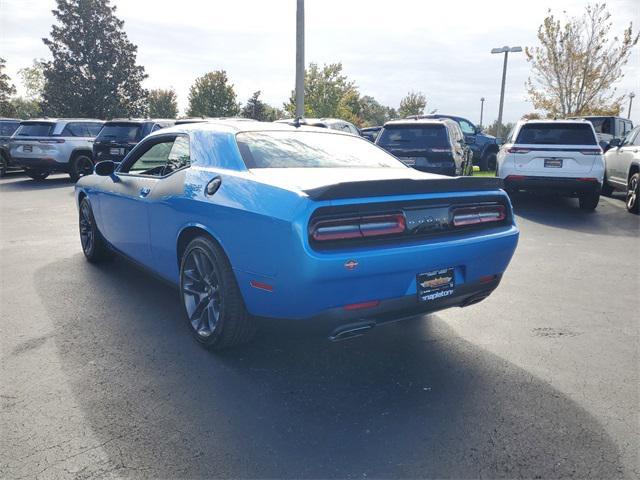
(300, 59)
(481, 110)
(631, 95)
(506, 51)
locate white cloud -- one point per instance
(387, 47)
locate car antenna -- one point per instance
(296, 122)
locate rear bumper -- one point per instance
(567, 186)
(43, 163)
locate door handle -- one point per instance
(144, 192)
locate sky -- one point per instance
(441, 48)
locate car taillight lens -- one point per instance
(592, 151)
(358, 227)
(476, 215)
(518, 150)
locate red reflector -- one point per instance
(360, 227)
(515, 177)
(261, 286)
(587, 179)
(476, 215)
(360, 306)
(487, 278)
(518, 150)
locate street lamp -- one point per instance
(506, 51)
(481, 109)
(631, 95)
(300, 59)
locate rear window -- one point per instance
(124, 132)
(311, 150)
(425, 136)
(81, 129)
(556, 134)
(602, 125)
(7, 128)
(40, 129)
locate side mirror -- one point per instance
(478, 130)
(105, 168)
(470, 140)
(615, 142)
(499, 141)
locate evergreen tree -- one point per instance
(7, 89)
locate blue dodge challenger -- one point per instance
(252, 219)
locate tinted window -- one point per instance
(310, 149)
(602, 125)
(81, 129)
(556, 134)
(466, 127)
(34, 130)
(122, 132)
(153, 161)
(424, 136)
(7, 128)
(179, 156)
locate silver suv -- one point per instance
(54, 145)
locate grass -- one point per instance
(478, 173)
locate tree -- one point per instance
(93, 72)
(504, 129)
(162, 103)
(25, 108)
(212, 96)
(258, 110)
(413, 104)
(7, 89)
(577, 63)
(372, 113)
(33, 79)
(327, 93)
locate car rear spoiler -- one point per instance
(404, 186)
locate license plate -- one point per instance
(116, 151)
(436, 284)
(553, 163)
(27, 148)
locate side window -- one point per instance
(179, 156)
(467, 127)
(156, 127)
(152, 161)
(93, 129)
(636, 132)
(511, 136)
(628, 139)
(73, 130)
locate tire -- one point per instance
(37, 175)
(589, 201)
(492, 161)
(94, 246)
(633, 200)
(483, 164)
(81, 165)
(3, 165)
(211, 298)
(607, 189)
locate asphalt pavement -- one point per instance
(100, 378)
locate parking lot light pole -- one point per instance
(300, 59)
(481, 109)
(506, 51)
(631, 95)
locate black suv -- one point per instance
(433, 145)
(119, 136)
(609, 128)
(484, 147)
(7, 127)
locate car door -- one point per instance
(124, 202)
(621, 158)
(469, 133)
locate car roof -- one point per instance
(139, 120)
(417, 121)
(3, 119)
(233, 126)
(61, 120)
(561, 121)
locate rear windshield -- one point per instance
(41, 129)
(7, 128)
(602, 125)
(125, 132)
(556, 134)
(311, 150)
(425, 136)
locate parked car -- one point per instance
(483, 146)
(119, 136)
(54, 145)
(370, 133)
(331, 123)
(609, 128)
(7, 128)
(557, 156)
(263, 219)
(622, 168)
(432, 145)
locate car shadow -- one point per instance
(22, 182)
(562, 212)
(407, 400)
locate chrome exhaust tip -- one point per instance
(350, 330)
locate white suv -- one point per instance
(555, 156)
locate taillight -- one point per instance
(592, 151)
(518, 150)
(358, 227)
(475, 215)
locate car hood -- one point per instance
(303, 179)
